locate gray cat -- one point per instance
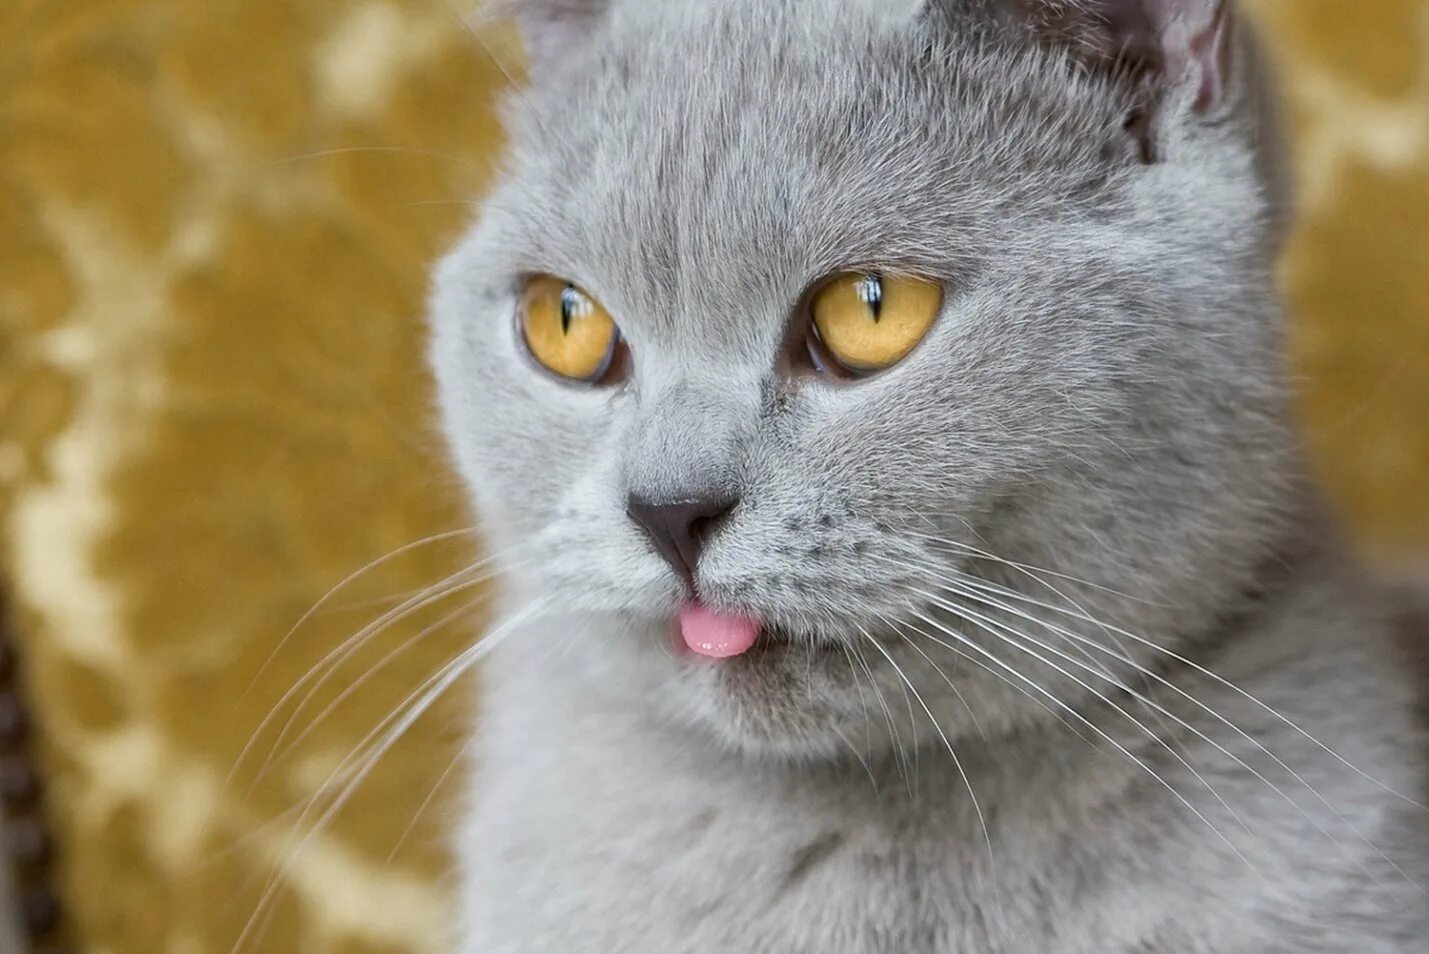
(877, 412)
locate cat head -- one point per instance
(919, 332)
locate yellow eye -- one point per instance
(567, 330)
(868, 321)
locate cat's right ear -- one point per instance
(1154, 49)
(1161, 42)
(553, 31)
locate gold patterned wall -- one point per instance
(216, 219)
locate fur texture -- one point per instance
(1066, 661)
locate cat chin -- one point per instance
(840, 696)
(827, 700)
(784, 700)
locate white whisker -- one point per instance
(1096, 729)
(946, 678)
(376, 744)
(344, 582)
(967, 782)
(352, 688)
(1078, 639)
(1218, 679)
(339, 654)
(893, 733)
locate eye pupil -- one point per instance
(870, 292)
(570, 303)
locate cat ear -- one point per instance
(553, 30)
(1160, 43)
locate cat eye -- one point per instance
(865, 322)
(567, 330)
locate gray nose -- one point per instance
(678, 527)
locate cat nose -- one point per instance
(678, 528)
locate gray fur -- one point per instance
(1102, 400)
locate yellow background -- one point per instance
(216, 220)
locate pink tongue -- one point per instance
(717, 635)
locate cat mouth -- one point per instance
(716, 634)
(704, 631)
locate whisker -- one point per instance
(928, 571)
(496, 9)
(1013, 638)
(431, 203)
(344, 651)
(887, 713)
(972, 660)
(357, 684)
(376, 744)
(1096, 729)
(962, 772)
(1213, 676)
(907, 699)
(354, 575)
(1035, 572)
(1112, 633)
(1202, 736)
(431, 797)
(945, 677)
(862, 700)
(334, 660)
(1079, 639)
(346, 150)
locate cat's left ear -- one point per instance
(1164, 43)
(1166, 54)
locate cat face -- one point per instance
(1081, 419)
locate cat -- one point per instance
(877, 412)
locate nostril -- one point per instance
(700, 525)
(677, 528)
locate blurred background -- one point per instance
(216, 223)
